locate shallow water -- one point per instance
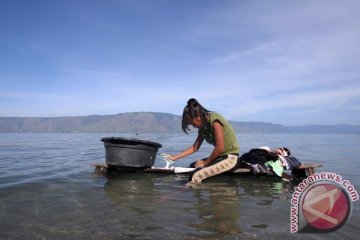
(48, 190)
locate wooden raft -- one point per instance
(100, 167)
(305, 170)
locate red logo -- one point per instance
(325, 207)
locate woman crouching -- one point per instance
(216, 130)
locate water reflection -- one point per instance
(218, 209)
(226, 205)
(133, 196)
(270, 187)
(222, 207)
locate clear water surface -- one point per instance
(49, 190)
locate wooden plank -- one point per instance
(159, 170)
(100, 167)
(310, 165)
(305, 170)
(242, 170)
(163, 170)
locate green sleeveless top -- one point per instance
(207, 132)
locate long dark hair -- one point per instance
(192, 110)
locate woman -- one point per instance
(216, 130)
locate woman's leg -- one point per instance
(225, 165)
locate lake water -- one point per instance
(49, 190)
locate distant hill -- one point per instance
(340, 128)
(144, 122)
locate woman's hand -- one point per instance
(166, 156)
(200, 164)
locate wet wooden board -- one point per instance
(305, 170)
(159, 170)
(100, 167)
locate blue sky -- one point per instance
(286, 62)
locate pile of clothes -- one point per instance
(261, 160)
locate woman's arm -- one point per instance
(219, 145)
(192, 149)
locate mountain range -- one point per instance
(146, 122)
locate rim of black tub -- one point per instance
(130, 141)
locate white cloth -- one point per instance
(183, 169)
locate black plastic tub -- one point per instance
(130, 153)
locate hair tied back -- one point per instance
(192, 102)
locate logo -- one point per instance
(321, 203)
